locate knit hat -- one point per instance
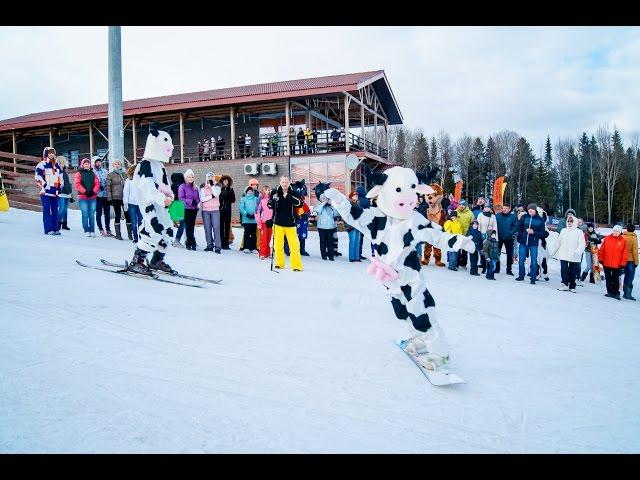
(631, 228)
(84, 160)
(590, 225)
(617, 228)
(462, 203)
(188, 172)
(570, 211)
(249, 188)
(532, 206)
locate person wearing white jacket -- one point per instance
(486, 221)
(568, 249)
(130, 204)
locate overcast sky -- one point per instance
(479, 80)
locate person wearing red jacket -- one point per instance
(87, 185)
(613, 256)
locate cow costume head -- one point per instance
(300, 188)
(159, 146)
(396, 189)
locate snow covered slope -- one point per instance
(297, 362)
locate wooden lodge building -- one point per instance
(350, 113)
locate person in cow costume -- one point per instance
(438, 215)
(395, 228)
(154, 194)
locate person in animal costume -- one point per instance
(437, 214)
(395, 228)
(302, 214)
(151, 184)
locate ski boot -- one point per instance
(157, 263)
(137, 264)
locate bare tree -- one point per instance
(462, 151)
(610, 165)
(635, 143)
(506, 143)
(445, 154)
(563, 149)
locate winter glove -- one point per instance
(90, 193)
(250, 215)
(194, 203)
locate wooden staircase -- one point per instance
(19, 182)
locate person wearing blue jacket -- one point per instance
(248, 207)
(530, 230)
(326, 222)
(364, 202)
(507, 222)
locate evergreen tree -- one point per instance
(401, 150)
(420, 152)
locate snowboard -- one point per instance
(437, 378)
(596, 263)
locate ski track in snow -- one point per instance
(297, 362)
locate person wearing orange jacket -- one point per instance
(631, 240)
(613, 256)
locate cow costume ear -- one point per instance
(375, 181)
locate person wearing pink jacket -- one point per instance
(264, 217)
(210, 203)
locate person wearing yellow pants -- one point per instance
(283, 201)
(294, 247)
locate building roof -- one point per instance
(224, 96)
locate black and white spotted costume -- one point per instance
(152, 187)
(395, 229)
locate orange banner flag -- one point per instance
(457, 193)
(499, 187)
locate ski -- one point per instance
(178, 275)
(438, 378)
(138, 275)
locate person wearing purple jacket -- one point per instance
(190, 195)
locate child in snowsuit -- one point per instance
(491, 253)
(248, 207)
(476, 236)
(452, 225)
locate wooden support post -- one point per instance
(90, 141)
(135, 141)
(375, 128)
(232, 119)
(362, 123)
(287, 112)
(51, 137)
(346, 123)
(15, 150)
(386, 136)
(181, 137)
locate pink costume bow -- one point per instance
(381, 271)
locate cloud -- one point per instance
(534, 80)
